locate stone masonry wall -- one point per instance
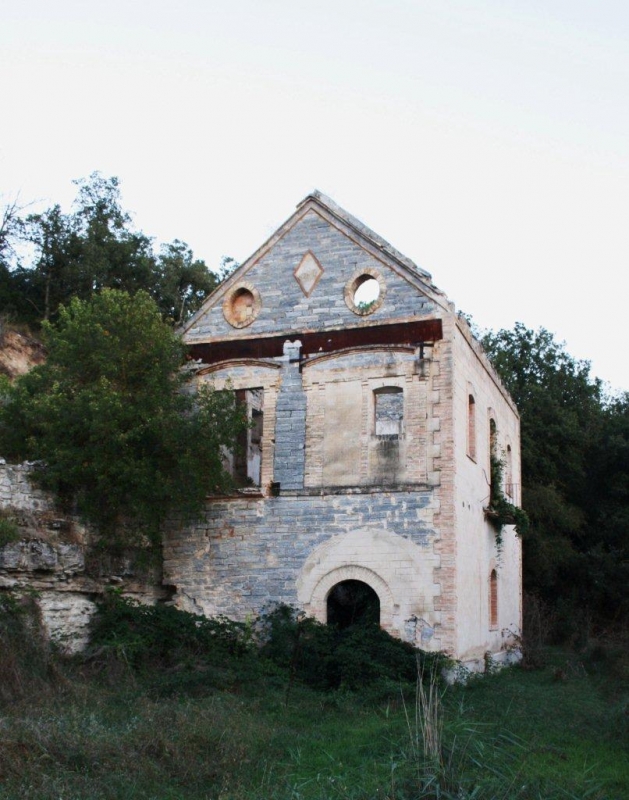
(284, 305)
(290, 424)
(249, 553)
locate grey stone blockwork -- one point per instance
(285, 307)
(290, 430)
(248, 554)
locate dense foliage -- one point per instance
(175, 651)
(575, 474)
(48, 258)
(110, 422)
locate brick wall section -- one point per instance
(441, 474)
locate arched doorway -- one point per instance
(352, 602)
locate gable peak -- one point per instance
(317, 198)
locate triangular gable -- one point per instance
(295, 280)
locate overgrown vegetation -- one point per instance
(110, 422)
(9, 529)
(130, 721)
(174, 651)
(28, 666)
(500, 511)
(575, 480)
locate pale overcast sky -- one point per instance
(488, 140)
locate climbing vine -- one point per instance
(500, 511)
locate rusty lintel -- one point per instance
(412, 333)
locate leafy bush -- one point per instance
(172, 651)
(27, 665)
(9, 530)
(325, 657)
(115, 430)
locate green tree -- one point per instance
(182, 282)
(606, 503)
(560, 408)
(95, 246)
(11, 231)
(110, 420)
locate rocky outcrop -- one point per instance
(19, 352)
(50, 557)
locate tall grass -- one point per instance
(141, 721)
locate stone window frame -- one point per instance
(392, 389)
(259, 374)
(375, 387)
(358, 278)
(230, 297)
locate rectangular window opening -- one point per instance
(245, 462)
(389, 412)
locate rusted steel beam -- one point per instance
(413, 333)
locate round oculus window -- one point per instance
(364, 293)
(242, 305)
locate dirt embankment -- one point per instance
(19, 352)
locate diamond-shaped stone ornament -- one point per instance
(307, 273)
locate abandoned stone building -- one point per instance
(374, 414)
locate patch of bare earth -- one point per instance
(19, 352)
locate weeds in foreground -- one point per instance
(110, 731)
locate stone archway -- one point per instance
(399, 571)
(318, 605)
(351, 603)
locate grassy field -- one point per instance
(102, 731)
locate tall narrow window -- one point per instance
(493, 438)
(509, 472)
(389, 411)
(471, 427)
(246, 460)
(493, 456)
(493, 600)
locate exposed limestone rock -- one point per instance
(49, 558)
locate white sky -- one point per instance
(487, 140)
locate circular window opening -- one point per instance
(353, 603)
(365, 293)
(242, 306)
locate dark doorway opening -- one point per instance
(353, 603)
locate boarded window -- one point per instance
(389, 411)
(493, 600)
(471, 427)
(493, 438)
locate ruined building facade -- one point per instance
(374, 413)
